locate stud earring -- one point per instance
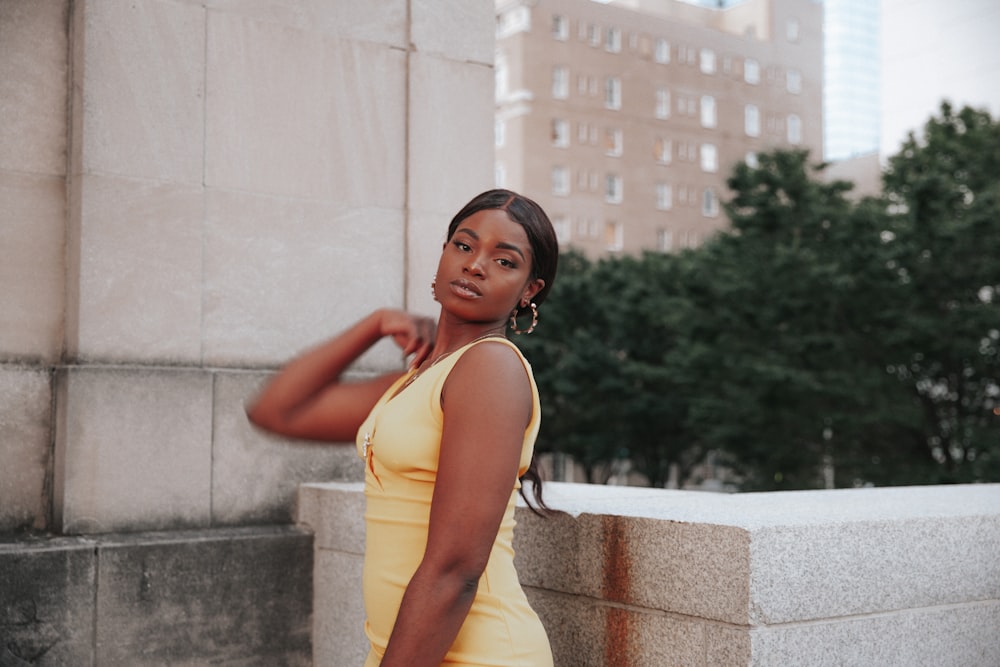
(434, 288)
(534, 320)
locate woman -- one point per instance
(444, 444)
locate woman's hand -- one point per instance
(414, 334)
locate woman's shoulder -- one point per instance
(496, 357)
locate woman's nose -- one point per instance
(474, 264)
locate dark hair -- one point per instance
(544, 262)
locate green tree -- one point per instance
(776, 350)
(819, 341)
(943, 189)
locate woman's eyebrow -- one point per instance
(502, 245)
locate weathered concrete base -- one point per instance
(236, 596)
(637, 577)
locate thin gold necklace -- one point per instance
(418, 372)
(368, 443)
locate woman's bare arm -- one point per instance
(308, 399)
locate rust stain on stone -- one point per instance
(616, 585)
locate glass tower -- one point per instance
(852, 68)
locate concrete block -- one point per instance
(139, 248)
(451, 154)
(692, 569)
(575, 626)
(950, 636)
(335, 513)
(651, 639)
(456, 29)
(325, 120)
(427, 233)
(338, 622)
(235, 597)
(47, 602)
(25, 434)
(133, 450)
(33, 85)
(727, 646)
(381, 22)
(32, 260)
(138, 118)
(282, 275)
(917, 562)
(255, 476)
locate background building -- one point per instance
(852, 71)
(624, 118)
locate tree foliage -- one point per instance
(820, 340)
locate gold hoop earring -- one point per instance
(534, 320)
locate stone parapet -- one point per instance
(630, 576)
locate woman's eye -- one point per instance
(507, 263)
(464, 247)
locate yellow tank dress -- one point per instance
(404, 432)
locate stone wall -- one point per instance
(192, 191)
(631, 577)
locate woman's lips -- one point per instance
(465, 288)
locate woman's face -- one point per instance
(485, 268)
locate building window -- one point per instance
(662, 150)
(560, 82)
(707, 60)
(709, 203)
(593, 34)
(793, 81)
(751, 160)
(794, 127)
(751, 71)
(500, 175)
(662, 103)
(792, 30)
(581, 84)
(708, 112)
(582, 133)
(560, 181)
(516, 20)
(614, 236)
(560, 133)
(613, 189)
(664, 196)
(751, 120)
(499, 133)
(613, 142)
(709, 158)
(661, 52)
(560, 27)
(501, 75)
(593, 180)
(664, 240)
(562, 227)
(613, 93)
(613, 41)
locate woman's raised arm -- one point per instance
(307, 398)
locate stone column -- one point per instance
(240, 181)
